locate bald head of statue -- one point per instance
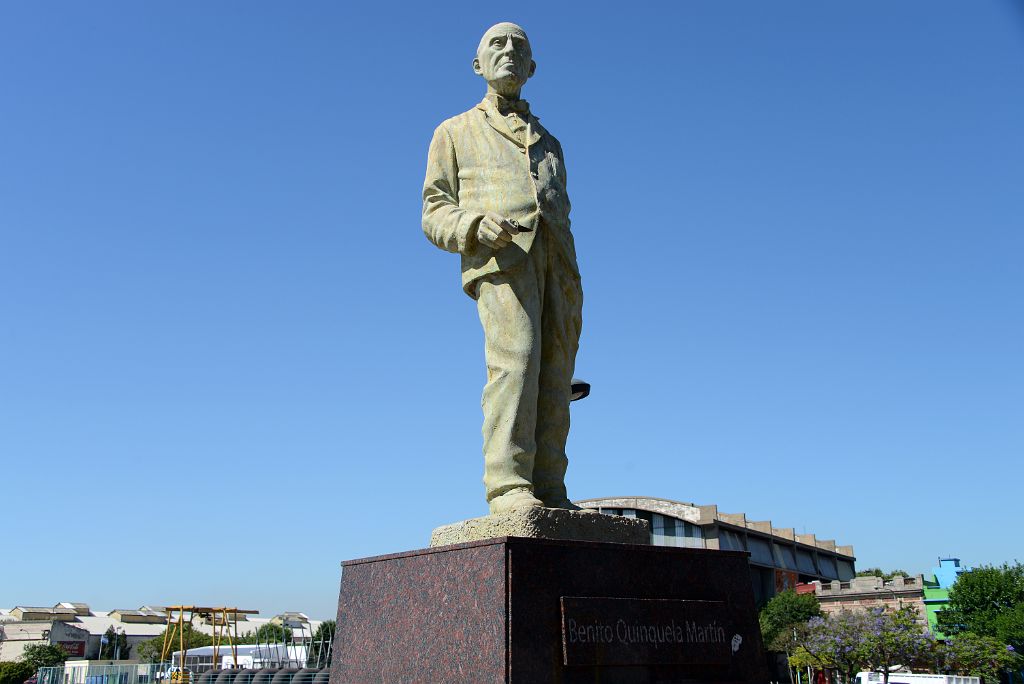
(504, 59)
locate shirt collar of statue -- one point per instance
(506, 105)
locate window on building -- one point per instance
(828, 567)
(805, 562)
(784, 556)
(846, 572)
(669, 531)
(728, 540)
(760, 550)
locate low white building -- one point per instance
(250, 657)
(79, 629)
(16, 636)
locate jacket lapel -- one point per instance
(497, 121)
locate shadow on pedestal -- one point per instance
(534, 611)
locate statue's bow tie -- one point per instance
(520, 107)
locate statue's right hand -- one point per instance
(496, 231)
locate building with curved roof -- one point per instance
(779, 558)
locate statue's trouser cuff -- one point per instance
(531, 317)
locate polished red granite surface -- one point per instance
(530, 611)
(431, 616)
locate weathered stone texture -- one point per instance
(546, 523)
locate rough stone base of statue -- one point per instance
(545, 523)
(539, 611)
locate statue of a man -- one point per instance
(495, 193)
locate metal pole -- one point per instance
(330, 644)
(233, 636)
(168, 628)
(216, 638)
(181, 641)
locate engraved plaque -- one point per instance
(618, 631)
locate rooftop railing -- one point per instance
(162, 673)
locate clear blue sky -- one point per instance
(229, 359)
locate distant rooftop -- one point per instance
(869, 585)
(79, 608)
(28, 613)
(146, 621)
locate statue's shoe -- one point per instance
(514, 500)
(567, 505)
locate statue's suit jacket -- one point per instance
(476, 165)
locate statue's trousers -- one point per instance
(531, 316)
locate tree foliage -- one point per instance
(320, 646)
(895, 639)
(1009, 627)
(781, 613)
(876, 640)
(986, 601)
(801, 659)
(273, 633)
(838, 642)
(977, 656)
(117, 645)
(149, 651)
(269, 633)
(43, 655)
(15, 672)
(878, 572)
(885, 641)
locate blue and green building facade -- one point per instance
(936, 591)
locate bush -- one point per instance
(15, 673)
(784, 611)
(43, 655)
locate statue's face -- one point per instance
(504, 58)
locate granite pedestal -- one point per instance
(537, 611)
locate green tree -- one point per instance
(894, 639)
(878, 572)
(980, 597)
(781, 613)
(273, 633)
(978, 656)
(15, 673)
(802, 659)
(149, 651)
(320, 646)
(835, 642)
(43, 655)
(117, 645)
(1009, 627)
(269, 633)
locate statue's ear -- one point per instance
(476, 67)
(533, 68)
